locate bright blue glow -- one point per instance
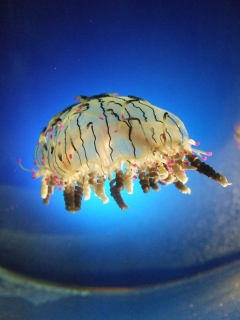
(181, 56)
(189, 73)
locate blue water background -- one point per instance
(182, 56)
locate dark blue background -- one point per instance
(180, 55)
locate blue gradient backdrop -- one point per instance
(180, 55)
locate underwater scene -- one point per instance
(120, 163)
